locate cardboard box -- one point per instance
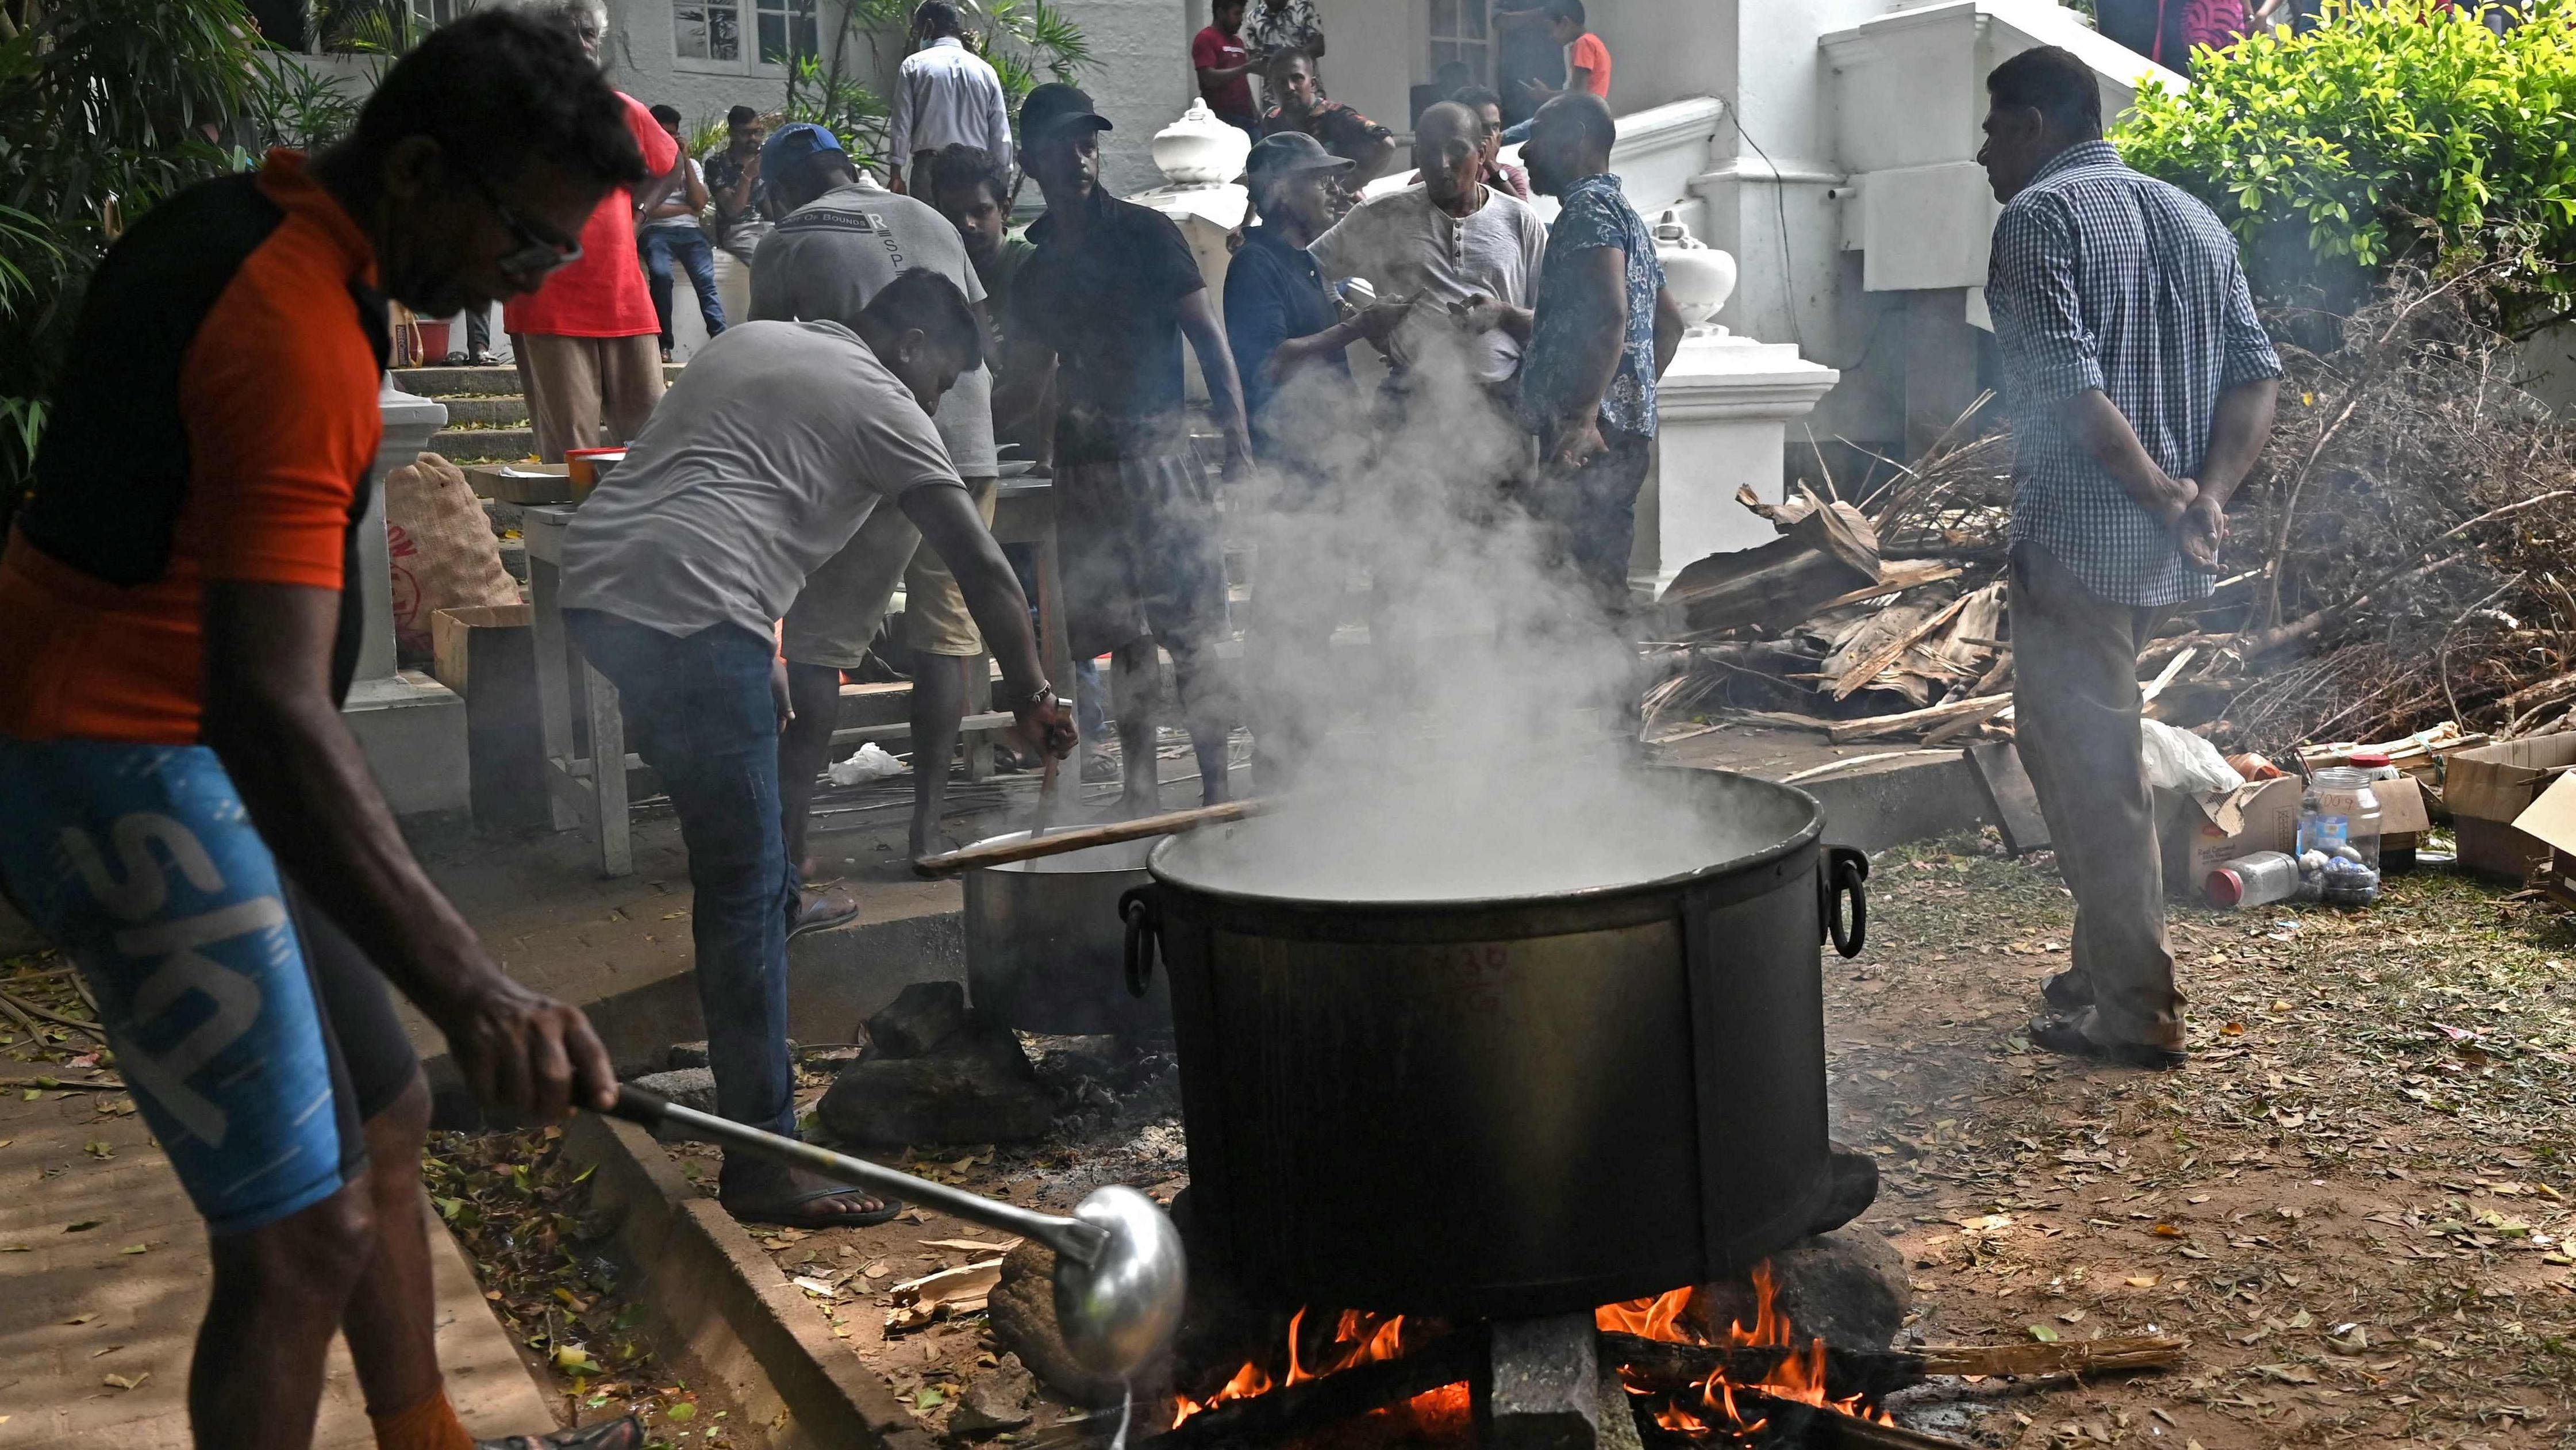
(451, 639)
(521, 483)
(2490, 787)
(2551, 820)
(2405, 813)
(2199, 833)
(487, 654)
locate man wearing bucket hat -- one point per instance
(1290, 344)
(1110, 293)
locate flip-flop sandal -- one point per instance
(820, 908)
(625, 1434)
(782, 1214)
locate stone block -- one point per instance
(978, 1088)
(1846, 1287)
(920, 1018)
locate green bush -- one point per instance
(2394, 130)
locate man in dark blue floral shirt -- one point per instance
(1604, 330)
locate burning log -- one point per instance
(1292, 1410)
(1666, 1365)
(1832, 1430)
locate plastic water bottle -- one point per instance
(2258, 880)
(2339, 835)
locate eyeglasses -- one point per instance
(535, 254)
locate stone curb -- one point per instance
(719, 1311)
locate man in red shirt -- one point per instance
(1225, 68)
(183, 811)
(588, 342)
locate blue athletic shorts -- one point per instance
(258, 1040)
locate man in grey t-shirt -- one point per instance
(777, 445)
(839, 239)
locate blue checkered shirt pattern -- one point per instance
(2104, 278)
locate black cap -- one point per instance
(1057, 109)
(1289, 153)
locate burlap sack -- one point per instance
(445, 555)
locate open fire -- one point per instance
(1799, 1377)
(1720, 1409)
(1359, 1337)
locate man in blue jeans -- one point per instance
(668, 232)
(759, 465)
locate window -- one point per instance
(712, 31)
(1458, 36)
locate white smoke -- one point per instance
(1479, 750)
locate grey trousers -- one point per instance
(2075, 711)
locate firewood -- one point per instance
(1828, 553)
(1791, 1422)
(1873, 1373)
(1875, 726)
(1894, 649)
(1835, 1431)
(2110, 1354)
(1301, 1409)
(1895, 579)
(1665, 1365)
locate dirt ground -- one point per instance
(1118, 1121)
(2354, 1200)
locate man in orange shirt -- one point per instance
(1587, 60)
(183, 811)
(587, 343)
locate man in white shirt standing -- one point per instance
(1464, 253)
(947, 94)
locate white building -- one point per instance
(1839, 122)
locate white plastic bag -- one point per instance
(870, 763)
(2179, 760)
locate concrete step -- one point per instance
(469, 411)
(447, 382)
(482, 445)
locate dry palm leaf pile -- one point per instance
(2396, 560)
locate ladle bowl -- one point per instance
(1120, 1273)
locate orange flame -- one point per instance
(1799, 1377)
(1360, 1337)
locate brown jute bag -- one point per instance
(444, 553)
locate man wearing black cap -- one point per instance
(1290, 344)
(1110, 293)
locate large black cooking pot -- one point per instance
(1506, 1107)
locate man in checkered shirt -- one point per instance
(2142, 388)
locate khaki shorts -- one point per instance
(844, 603)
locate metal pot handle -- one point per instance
(1844, 872)
(1144, 924)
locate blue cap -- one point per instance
(793, 143)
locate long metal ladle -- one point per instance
(1120, 1273)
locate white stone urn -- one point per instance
(1699, 277)
(1200, 150)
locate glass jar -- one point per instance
(2392, 857)
(2339, 835)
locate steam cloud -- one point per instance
(1479, 753)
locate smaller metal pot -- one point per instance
(1046, 948)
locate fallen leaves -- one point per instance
(126, 1382)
